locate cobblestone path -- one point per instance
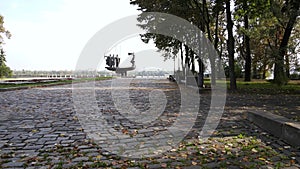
(39, 128)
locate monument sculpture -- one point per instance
(113, 63)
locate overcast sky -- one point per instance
(50, 34)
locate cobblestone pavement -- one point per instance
(287, 105)
(39, 128)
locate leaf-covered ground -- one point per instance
(239, 151)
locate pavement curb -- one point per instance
(279, 126)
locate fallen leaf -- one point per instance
(125, 131)
(245, 159)
(262, 159)
(183, 155)
(293, 162)
(34, 131)
(254, 150)
(221, 159)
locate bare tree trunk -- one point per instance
(247, 45)
(192, 56)
(213, 68)
(230, 46)
(201, 73)
(182, 62)
(213, 80)
(220, 63)
(254, 76)
(212, 58)
(287, 66)
(187, 57)
(264, 67)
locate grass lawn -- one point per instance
(259, 86)
(266, 87)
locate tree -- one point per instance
(230, 46)
(194, 11)
(291, 9)
(248, 14)
(247, 45)
(2, 57)
(4, 70)
(265, 35)
(242, 10)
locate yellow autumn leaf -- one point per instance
(262, 159)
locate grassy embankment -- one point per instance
(59, 82)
